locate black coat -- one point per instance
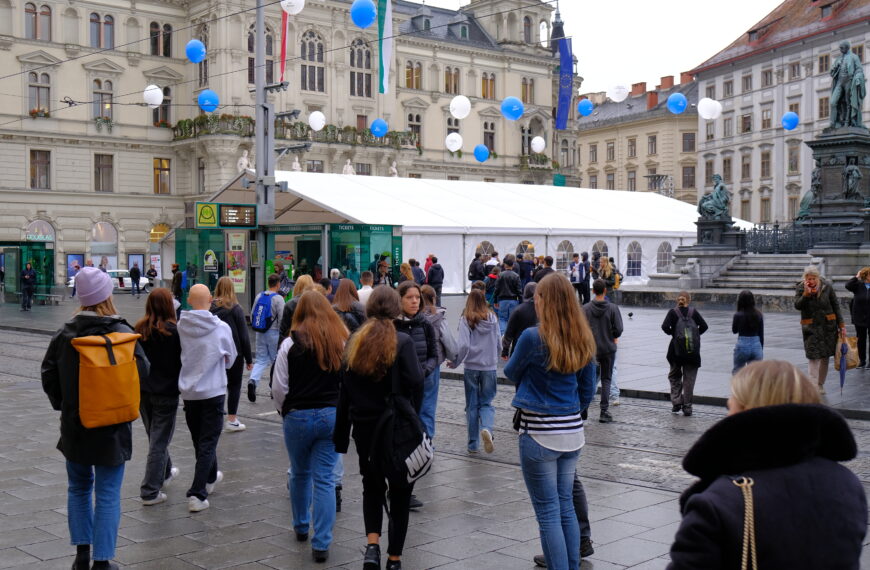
(860, 302)
(810, 511)
(164, 354)
(523, 317)
(108, 445)
(540, 274)
(235, 318)
(28, 279)
(435, 276)
(423, 335)
(287, 319)
(354, 318)
(669, 326)
(476, 271)
(135, 274)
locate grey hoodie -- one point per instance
(478, 348)
(207, 350)
(605, 321)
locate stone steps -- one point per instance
(773, 272)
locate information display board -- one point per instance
(225, 216)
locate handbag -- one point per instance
(748, 557)
(852, 358)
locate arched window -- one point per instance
(487, 86)
(526, 248)
(635, 260)
(531, 91)
(409, 75)
(489, 135)
(39, 91)
(6, 17)
(524, 93)
(158, 232)
(543, 31)
(30, 21)
(202, 67)
(39, 230)
(37, 25)
(563, 153)
(95, 29)
(102, 98)
(154, 37)
(414, 124)
(484, 248)
(312, 69)
(104, 245)
(564, 254)
(601, 247)
(451, 80)
(418, 76)
(270, 56)
(43, 31)
(108, 32)
(527, 30)
(161, 113)
(664, 258)
(167, 40)
(360, 69)
(452, 125)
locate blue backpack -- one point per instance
(261, 316)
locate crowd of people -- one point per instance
(346, 363)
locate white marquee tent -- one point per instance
(453, 219)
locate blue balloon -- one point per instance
(363, 13)
(512, 108)
(585, 107)
(208, 100)
(195, 51)
(379, 127)
(481, 153)
(790, 120)
(677, 103)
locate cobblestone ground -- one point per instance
(477, 513)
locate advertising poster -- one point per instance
(73, 259)
(155, 261)
(237, 267)
(136, 258)
(210, 261)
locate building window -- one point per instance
(363, 169)
(745, 167)
(765, 164)
(102, 99)
(632, 148)
(664, 255)
(611, 151)
(651, 144)
(766, 77)
(161, 39)
(794, 70)
(414, 124)
(489, 135)
(688, 177)
(362, 122)
(632, 180)
(708, 171)
(827, 10)
(167, 40)
(454, 178)
(794, 159)
(37, 25)
(161, 113)
(710, 130)
(95, 29)
(746, 83)
(564, 153)
(39, 91)
(313, 70)
(634, 258)
(857, 50)
(415, 175)
(611, 181)
(824, 63)
(651, 183)
(727, 88)
(40, 169)
(528, 91)
(792, 207)
(765, 210)
(727, 127)
(487, 86)
(269, 64)
(418, 76)
(313, 166)
(452, 125)
(745, 209)
(593, 181)
(102, 31)
(527, 30)
(360, 69)
(162, 175)
(409, 75)
(593, 153)
(711, 91)
(766, 118)
(795, 108)
(688, 142)
(746, 123)
(202, 67)
(451, 80)
(824, 107)
(525, 140)
(104, 172)
(200, 175)
(727, 169)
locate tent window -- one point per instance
(564, 254)
(635, 257)
(601, 247)
(526, 248)
(484, 248)
(663, 258)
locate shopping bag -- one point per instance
(851, 355)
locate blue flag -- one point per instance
(566, 83)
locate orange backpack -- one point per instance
(108, 379)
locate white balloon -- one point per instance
(316, 120)
(153, 96)
(538, 144)
(292, 7)
(709, 109)
(718, 112)
(453, 142)
(618, 93)
(460, 106)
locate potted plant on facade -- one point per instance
(39, 112)
(99, 122)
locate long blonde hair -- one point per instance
(225, 293)
(604, 267)
(303, 284)
(103, 309)
(563, 326)
(772, 382)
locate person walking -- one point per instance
(417, 271)
(685, 326)
(305, 389)
(151, 274)
(554, 370)
(159, 398)
(135, 276)
(226, 307)
(375, 357)
(266, 322)
(176, 282)
(605, 321)
(859, 286)
(489, 285)
(748, 325)
(435, 278)
(28, 286)
(508, 293)
(523, 267)
(346, 303)
(95, 457)
(545, 270)
(207, 350)
(771, 481)
(821, 322)
(478, 350)
(445, 348)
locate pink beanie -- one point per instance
(93, 286)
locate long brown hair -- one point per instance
(372, 349)
(405, 286)
(427, 295)
(158, 312)
(319, 329)
(476, 309)
(563, 326)
(225, 293)
(345, 295)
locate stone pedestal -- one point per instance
(719, 234)
(697, 264)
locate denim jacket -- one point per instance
(545, 391)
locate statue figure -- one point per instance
(851, 182)
(394, 172)
(295, 167)
(348, 168)
(716, 204)
(244, 163)
(848, 89)
(811, 196)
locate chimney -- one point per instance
(638, 88)
(667, 82)
(686, 77)
(652, 99)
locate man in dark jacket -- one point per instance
(417, 272)
(28, 286)
(548, 268)
(524, 269)
(435, 278)
(684, 367)
(507, 293)
(860, 309)
(476, 271)
(523, 317)
(135, 275)
(605, 321)
(578, 273)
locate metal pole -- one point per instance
(264, 143)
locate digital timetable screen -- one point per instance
(238, 215)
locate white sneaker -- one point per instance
(486, 436)
(194, 504)
(173, 473)
(160, 498)
(209, 487)
(234, 426)
(822, 389)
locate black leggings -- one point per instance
(862, 343)
(374, 491)
(234, 385)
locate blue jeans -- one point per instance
(430, 401)
(480, 387)
(549, 477)
(747, 349)
(89, 523)
(338, 471)
(134, 287)
(505, 308)
(308, 437)
(267, 352)
(614, 389)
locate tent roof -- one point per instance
(470, 207)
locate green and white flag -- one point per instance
(385, 44)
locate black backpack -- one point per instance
(401, 450)
(687, 337)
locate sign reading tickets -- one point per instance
(206, 215)
(237, 267)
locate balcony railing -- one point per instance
(536, 162)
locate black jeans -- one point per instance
(158, 415)
(374, 493)
(581, 507)
(437, 294)
(205, 420)
(234, 385)
(605, 373)
(27, 297)
(582, 290)
(862, 343)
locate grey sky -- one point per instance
(628, 41)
